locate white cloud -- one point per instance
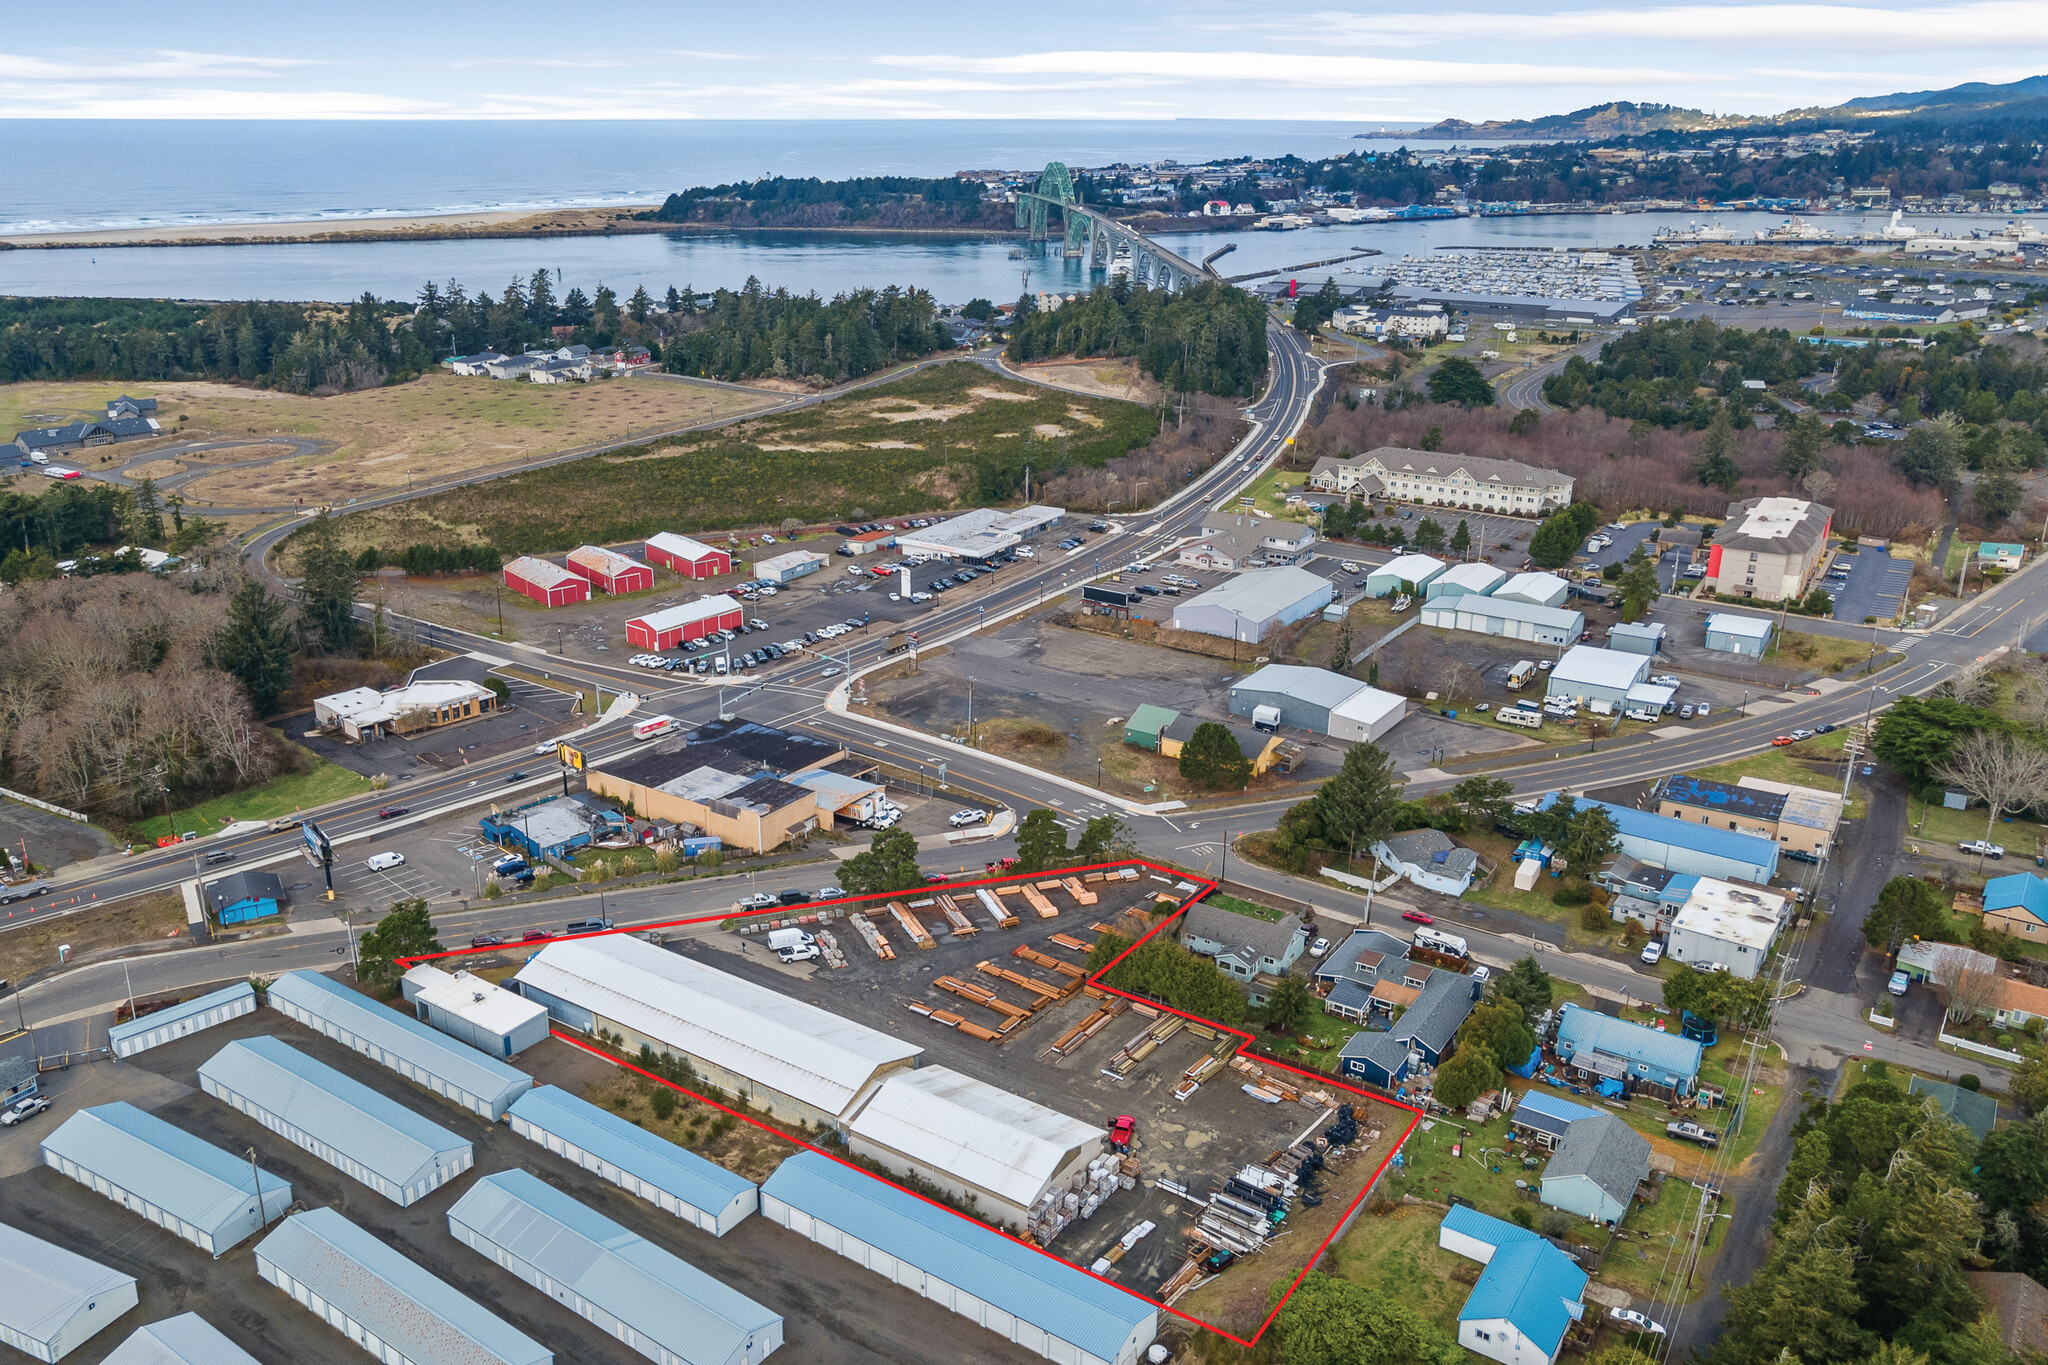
(1987, 24)
(1293, 70)
(154, 66)
(121, 102)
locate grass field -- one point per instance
(1828, 653)
(141, 919)
(318, 782)
(946, 437)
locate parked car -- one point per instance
(1899, 983)
(1983, 846)
(1802, 734)
(536, 935)
(1782, 741)
(1653, 953)
(485, 941)
(961, 819)
(1634, 1321)
(1319, 947)
(1419, 916)
(587, 926)
(384, 862)
(759, 900)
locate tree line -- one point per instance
(1210, 338)
(755, 333)
(882, 201)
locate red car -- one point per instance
(485, 941)
(1121, 1130)
(534, 935)
(1781, 741)
(393, 812)
(1419, 916)
(935, 876)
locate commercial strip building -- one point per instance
(425, 1056)
(609, 570)
(1402, 573)
(551, 585)
(1504, 616)
(973, 1140)
(1438, 479)
(731, 779)
(187, 1187)
(1798, 819)
(1597, 1169)
(1588, 673)
(784, 1056)
(187, 1339)
(981, 535)
(364, 713)
(182, 1020)
(1733, 633)
(1020, 1294)
(1252, 605)
(669, 1176)
(649, 1298)
(690, 558)
(53, 1301)
(1727, 925)
(1543, 589)
(383, 1302)
(356, 1130)
(1769, 548)
(1682, 846)
(1527, 1297)
(669, 627)
(1229, 544)
(473, 1011)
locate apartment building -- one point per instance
(1437, 479)
(1771, 549)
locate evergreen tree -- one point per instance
(146, 516)
(255, 646)
(1458, 380)
(1470, 1073)
(1211, 758)
(1461, 539)
(405, 931)
(673, 301)
(1104, 839)
(1041, 842)
(1359, 805)
(1931, 456)
(1714, 462)
(638, 306)
(1429, 535)
(1804, 448)
(1527, 985)
(1556, 540)
(1639, 590)
(327, 584)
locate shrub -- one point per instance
(1555, 1223)
(1522, 1217)
(663, 1102)
(1593, 918)
(1968, 1081)
(1569, 896)
(492, 890)
(2005, 1041)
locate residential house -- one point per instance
(1353, 972)
(1439, 1011)
(1428, 858)
(2013, 1003)
(1377, 1058)
(510, 366)
(1436, 478)
(1230, 544)
(1264, 748)
(1991, 554)
(2017, 904)
(1244, 946)
(1975, 1111)
(1940, 963)
(1527, 1297)
(1769, 548)
(1597, 1169)
(476, 365)
(1604, 1048)
(2020, 1305)
(1542, 1118)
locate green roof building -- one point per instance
(1146, 724)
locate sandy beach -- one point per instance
(492, 223)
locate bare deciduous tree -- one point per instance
(1971, 992)
(2030, 697)
(2005, 773)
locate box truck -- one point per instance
(653, 727)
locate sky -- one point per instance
(1395, 62)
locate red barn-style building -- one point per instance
(610, 570)
(551, 585)
(690, 558)
(691, 621)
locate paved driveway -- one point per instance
(1877, 584)
(1625, 541)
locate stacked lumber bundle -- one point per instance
(1045, 993)
(955, 916)
(1038, 959)
(874, 937)
(1081, 894)
(1069, 942)
(912, 925)
(980, 995)
(997, 911)
(1045, 908)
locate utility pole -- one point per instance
(131, 989)
(256, 1174)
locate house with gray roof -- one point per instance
(1438, 1012)
(1354, 972)
(1242, 945)
(1377, 1058)
(1596, 1169)
(1428, 858)
(1230, 543)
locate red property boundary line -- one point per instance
(1203, 886)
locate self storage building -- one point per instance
(669, 627)
(189, 1188)
(1589, 673)
(609, 570)
(53, 1301)
(361, 1133)
(690, 558)
(673, 1178)
(1504, 616)
(415, 1051)
(385, 1303)
(972, 1139)
(1544, 589)
(1460, 580)
(790, 1058)
(187, 1339)
(1417, 571)
(471, 1010)
(1020, 1294)
(551, 585)
(650, 1299)
(188, 1017)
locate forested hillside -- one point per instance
(1208, 339)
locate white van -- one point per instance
(779, 939)
(1439, 942)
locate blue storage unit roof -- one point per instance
(148, 1023)
(1532, 1285)
(631, 1148)
(1543, 1110)
(1030, 1285)
(1651, 833)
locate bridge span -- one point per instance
(1103, 242)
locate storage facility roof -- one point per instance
(432, 1051)
(1601, 667)
(1263, 593)
(804, 1052)
(1473, 578)
(187, 1339)
(1508, 609)
(421, 1316)
(469, 997)
(653, 1160)
(42, 1286)
(1534, 587)
(1697, 836)
(378, 1132)
(682, 547)
(1416, 569)
(1099, 1318)
(241, 990)
(1316, 686)
(600, 560)
(1369, 706)
(1740, 626)
(656, 1293)
(164, 1164)
(986, 1136)
(703, 609)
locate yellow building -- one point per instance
(1265, 750)
(731, 779)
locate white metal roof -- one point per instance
(1262, 594)
(782, 563)
(241, 990)
(1508, 609)
(1473, 577)
(1601, 667)
(187, 1339)
(43, 1286)
(542, 572)
(1742, 627)
(1541, 588)
(1315, 686)
(469, 997)
(367, 706)
(986, 1136)
(1416, 569)
(1368, 705)
(807, 1053)
(1749, 916)
(1807, 806)
(600, 560)
(1650, 694)
(177, 1172)
(682, 547)
(703, 609)
(461, 1066)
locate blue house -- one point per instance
(1526, 1299)
(1384, 1057)
(1541, 1117)
(1375, 1058)
(1354, 967)
(242, 896)
(1631, 1057)
(2018, 904)
(1681, 847)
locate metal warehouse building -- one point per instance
(1387, 579)
(187, 1339)
(1366, 714)
(416, 1052)
(1020, 1294)
(337, 1118)
(551, 585)
(790, 1058)
(673, 1178)
(183, 1185)
(1544, 589)
(661, 1306)
(608, 569)
(1683, 847)
(383, 1302)
(1304, 697)
(469, 1009)
(154, 1030)
(690, 558)
(788, 567)
(971, 1138)
(1734, 634)
(1249, 606)
(1641, 637)
(1462, 580)
(1504, 616)
(1589, 673)
(671, 626)
(53, 1301)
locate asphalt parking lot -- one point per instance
(834, 1311)
(1625, 541)
(1877, 585)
